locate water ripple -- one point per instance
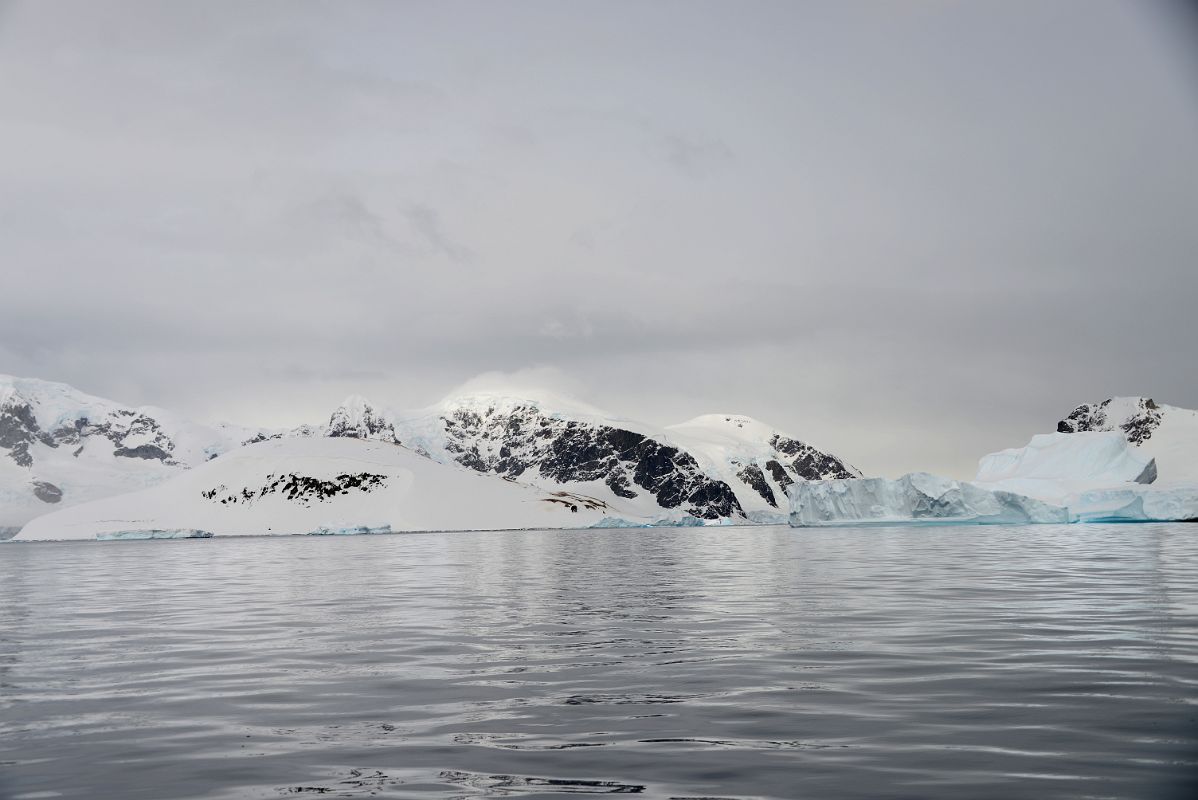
(722, 664)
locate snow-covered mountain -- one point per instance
(331, 484)
(60, 446)
(356, 418)
(713, 467)
(1165, 433)
(568, 447)
(758, 461)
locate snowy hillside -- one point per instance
(757, 461)
(324, 484)
(575, 449)
(60, 446)
(714, 467)
(1165, 433)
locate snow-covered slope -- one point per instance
(60, 446)
(323, 484)
(356, 418)
(1054, 466)
(573, 448)
(714, 467)
(757, 461)
(1167, 434)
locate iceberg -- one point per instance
(1056, 478)
(917, 498)
(350, 530)
(1059, 464)
(154, 533)
(1134, 504)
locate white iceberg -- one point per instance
(154, 533)
(915, 498)
(1056, 466)
(1057, 477)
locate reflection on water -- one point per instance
(721, 663)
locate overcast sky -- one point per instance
(908, 232)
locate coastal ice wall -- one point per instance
(914, 498)
(1079, 477)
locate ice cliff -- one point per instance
(1087, 476)
(915, 498)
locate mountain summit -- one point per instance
(60, 446)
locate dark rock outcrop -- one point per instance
(755, 478)
(1138, 427)
(809, 463)
(302, 489)
(523, 439)
(47, 492)
(358, 419)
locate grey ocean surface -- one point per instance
(995, 662)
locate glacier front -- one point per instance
(918, 498)
(1059, 477)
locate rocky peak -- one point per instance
(810, 463)
(356, 418)
(1137, 417)
(517, 438)
(19, 429)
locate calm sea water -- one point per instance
(1041, 662)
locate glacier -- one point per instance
(1056, 465)
(914, 498)
(154, 533)
(1093, 476)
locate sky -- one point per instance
(910, 233)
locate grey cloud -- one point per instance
(426, 222)
(696, 158)
(911, 234)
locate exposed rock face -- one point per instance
(759, 462)
(778, 472)
(302, 489)
(356, 418)
(755, 478)
(1138, 422)
(793, 460)
(511, 441)
(61, 446)
(132, 434)
(809, 463)
(47, 492)
(19, 430)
